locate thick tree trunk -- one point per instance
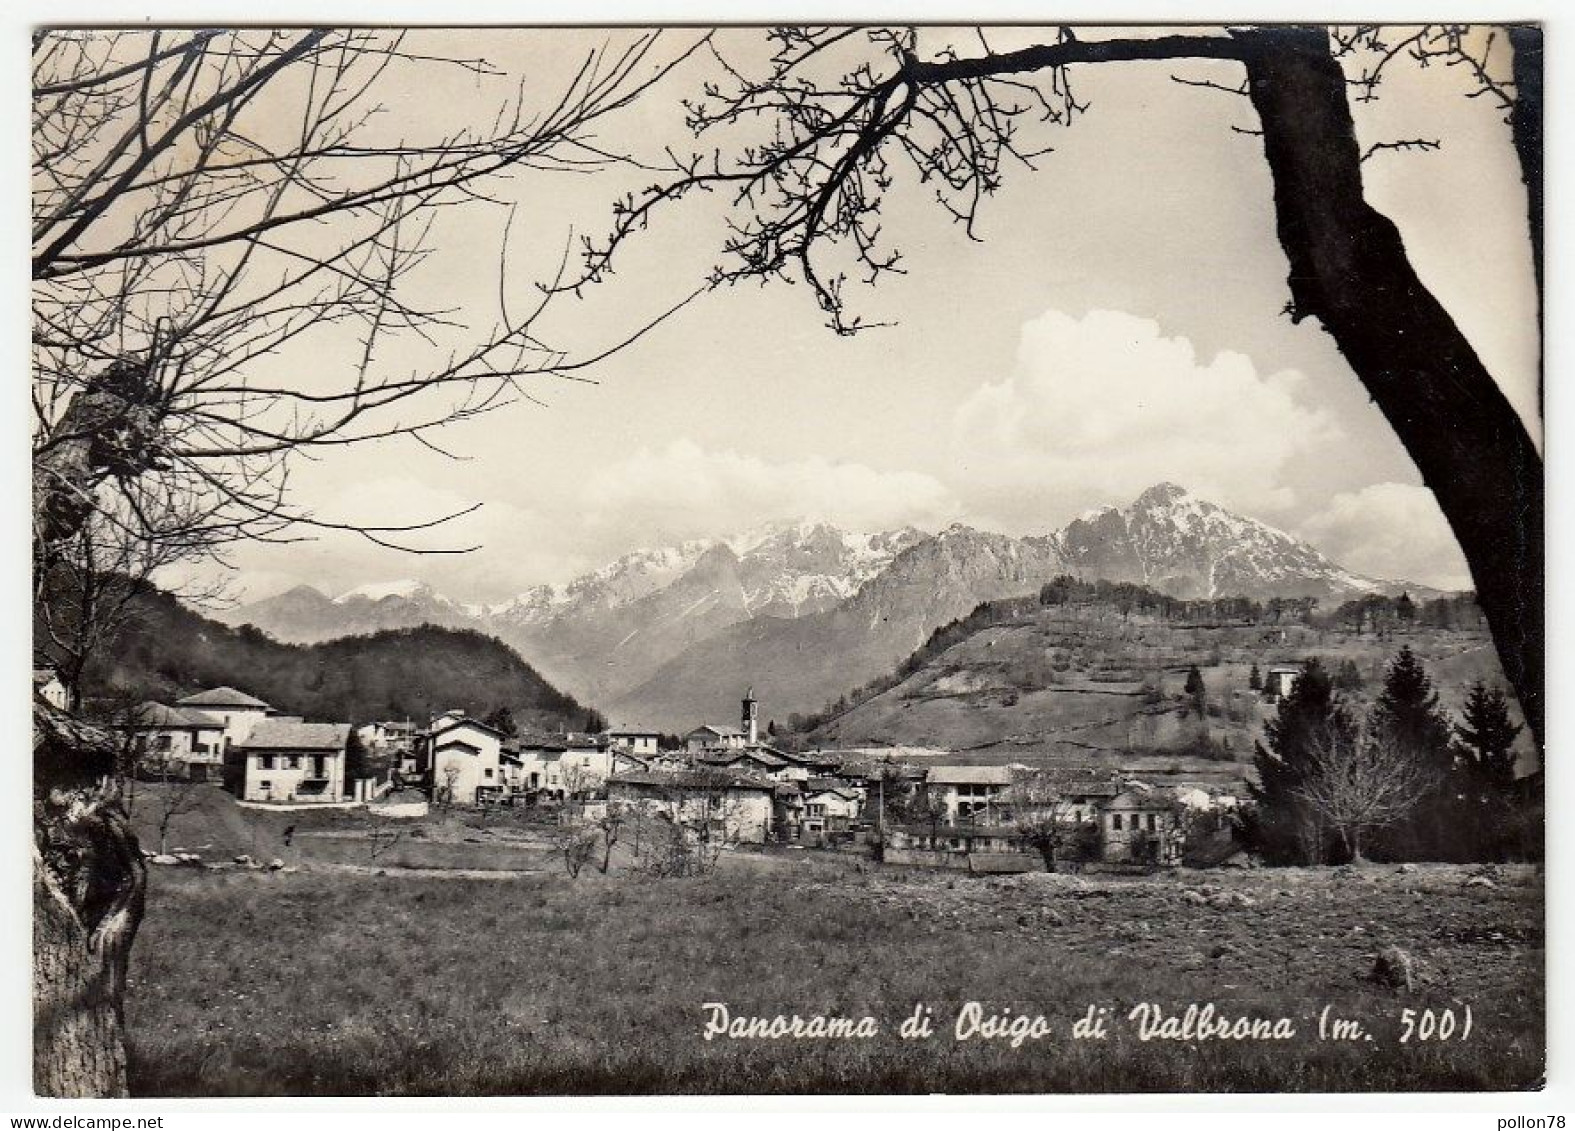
(88, 886)
(1349, 270)
(1525, 123)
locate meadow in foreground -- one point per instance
(325, 983)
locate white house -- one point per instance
(829, 808)
(567, 765)
(47, 686)
(172, 740)
(715, 736)
(237, 711)
(1280, 680)
(1141, 826)
(644, 742)
(464, 758)
(969, 793)
(724, 806)
(294, 761)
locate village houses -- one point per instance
(237, 711)
(719, 804)
(562, 766)
(173, 741)
(968, 793)
(194, 737)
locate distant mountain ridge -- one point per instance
(167, 650)
(662, 634)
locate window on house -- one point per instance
(1115, 821)
(487, 773)
(1153, 822)
(266, 761)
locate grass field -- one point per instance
(325, 983)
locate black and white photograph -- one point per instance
(778, 560)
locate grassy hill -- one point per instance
(1091, 683)
(168, 651)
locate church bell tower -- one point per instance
(749, 717)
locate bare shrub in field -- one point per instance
(576, 845)
(581, 842)
(684, 830)
(1359, 784)
(181, 793)
(382, 834)
(1042, 815)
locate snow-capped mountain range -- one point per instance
(650, 632)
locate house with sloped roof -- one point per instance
(964, 794)
(177, 741)
(719, 803)
(1141, 826)
(829, 808)
(568, 765)
(285, 759)
(756, 758)
(642, 741)
(461, 760)
(48, 686)
(715, 736)
(236, 710)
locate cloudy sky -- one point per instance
(1121, 322)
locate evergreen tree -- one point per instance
(1282, 827)
(356, 762)
(1407, 712)
(502, 719)
(1487, 736)
(1405, 608)
(1196, 691)
(1348, 677)
(1255, 679)
(1407, 717)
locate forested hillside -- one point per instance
(167, 651)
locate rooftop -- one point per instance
(292, 734)
(765, 755)
(221, 697)
(708, 779)
(454, 719)
(151, 714)
(969, 775)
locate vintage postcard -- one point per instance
(787, 560)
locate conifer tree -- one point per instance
(1407, 718)
(1196, 690)
(1407, 712)
(1487, 736)
(1283, 828)
(1255, 679)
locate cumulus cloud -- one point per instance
(1101, 407)
(1392, 530)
